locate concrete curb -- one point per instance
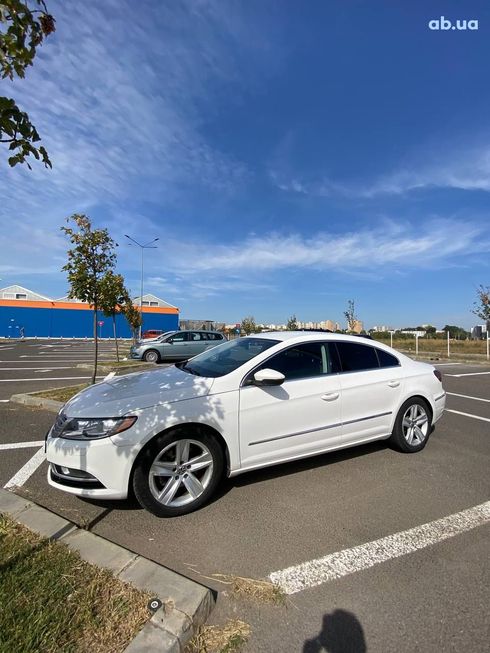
(37, 402)
(185, 604)
(119, 368)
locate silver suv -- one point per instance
(176, 345)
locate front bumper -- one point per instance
(135, 355)
(109, 464)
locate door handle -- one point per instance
(394, 384)
(331, 396)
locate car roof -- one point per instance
(309, 335)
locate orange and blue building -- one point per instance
(24, 312)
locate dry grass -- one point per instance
(220, 639)
(262, 591)
(51, 600)
(61, 394)
(436, 345)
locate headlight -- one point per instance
(95, 428)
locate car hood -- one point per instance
(124, 394)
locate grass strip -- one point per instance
(61, 394)
(52, 601)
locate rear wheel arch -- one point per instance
(397, 437)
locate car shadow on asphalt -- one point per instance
(341, 632)
(257, 476)
(295, 466)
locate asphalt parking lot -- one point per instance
(433, 599)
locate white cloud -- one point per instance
(119, 96)
(464, 170)
(425, 245)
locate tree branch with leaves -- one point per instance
(482, 304)
(23, 27)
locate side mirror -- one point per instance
(268, 377)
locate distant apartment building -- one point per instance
(357, 326)
(329, 325)
(480, 331)
(382, 329)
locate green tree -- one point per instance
(133, 317)
(350, 315)
(248, 325)
(23, 26)
(456, 332)
(292, 323)
(90, 258)
(482, 305)
(113, 295)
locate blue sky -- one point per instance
(290, 156)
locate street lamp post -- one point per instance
(142, 247)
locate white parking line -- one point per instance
(455, 394)
(458, 412)
(27, 470)
(39, 368)
(22, 445)
(342, 563)
(4, 401)
(52, 378)
(468, 374)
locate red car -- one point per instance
(151, 333)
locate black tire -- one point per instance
(406, 437)
(163, 448)
(151, 356)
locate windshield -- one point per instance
(227, 357)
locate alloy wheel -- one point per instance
(180, 473)
(415, 424)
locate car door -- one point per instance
(176, 346)
(372, 386)
(298, 418)
(197, 342)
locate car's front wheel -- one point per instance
(412, 426)
(178, 471)
(151, 356)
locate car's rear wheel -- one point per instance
(151, 356)
(178, 471)
(412, 426)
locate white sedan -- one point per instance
(172, 434)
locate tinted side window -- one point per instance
(386, 359)
(178, 337)
(195, 335)
(354, 357)
(300, 362)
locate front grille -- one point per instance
(58, 425)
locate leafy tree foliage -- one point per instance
(292, 323)
(482, 305)
(24, 24)
(133, 316)
(456, 332)
(113, 295)
(350, 315)
(248, 325)
(90, 259)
